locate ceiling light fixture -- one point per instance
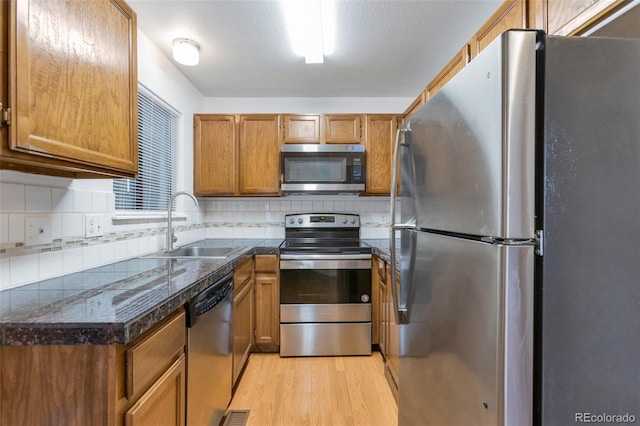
(186, 52)
(311, 26)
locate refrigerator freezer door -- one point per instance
(468, 161)
(591, 269)
(466, 351)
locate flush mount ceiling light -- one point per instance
(186, 52)
(311, 27)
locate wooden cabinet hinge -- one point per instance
(5, 116)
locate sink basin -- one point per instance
(202, 251)
(210, 252)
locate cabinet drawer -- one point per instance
(148, 359)
(266, 263)
(242, 275)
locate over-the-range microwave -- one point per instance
(322, 169)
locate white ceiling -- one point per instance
(385, 48)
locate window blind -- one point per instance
(157, 143)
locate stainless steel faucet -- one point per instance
(171, 238)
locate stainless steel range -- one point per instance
(325, 286)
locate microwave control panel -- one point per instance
(357, 171)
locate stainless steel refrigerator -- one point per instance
(519, 233)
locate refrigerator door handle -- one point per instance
(400, 311)
(400, 143)
(394, 176)
(400, 293)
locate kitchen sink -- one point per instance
(209, 252)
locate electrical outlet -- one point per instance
(37, 230)
(93, 226)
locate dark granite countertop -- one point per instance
(382, 248)
(114, 304)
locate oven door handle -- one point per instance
(359, 256)
(326, 264)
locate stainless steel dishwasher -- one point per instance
(209, 365)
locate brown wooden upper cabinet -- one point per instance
(214, 154)
(69, 77)
(342, 128)
(569, 17)
(301, 128)
(558, 17)
(322, 128)
(415, 105)
(236, 154)
(380, 134)
(454, 66)
(510, 15)
(259, 155)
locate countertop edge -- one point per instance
(122, 333)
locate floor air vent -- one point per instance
(236, 418)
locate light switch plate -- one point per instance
(93, 226)
(37, 230)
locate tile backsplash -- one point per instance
(62, 213)
(264, 218)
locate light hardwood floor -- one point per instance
(331, 391)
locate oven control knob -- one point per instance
(353, 221)
(344, 220)
(364, 298)
(300, 221)
(291, 221)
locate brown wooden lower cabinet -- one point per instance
(387, 328)
(384, 319)
(267, 309)
(97, 384)
(378, 305)
(392, 347)
(243, 309)
(375, 304)
(164, 402)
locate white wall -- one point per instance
(64, 203)
(158, 74)
(307, 105)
